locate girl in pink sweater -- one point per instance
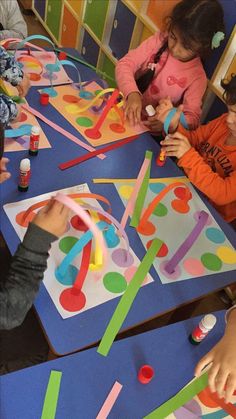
(168, 64)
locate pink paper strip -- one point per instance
(86, 218)
(110, 401)
(131, 203)
(61, 130)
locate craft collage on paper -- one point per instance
(175, 220)
(202, 406)
(100, 285)
(85, 112)
(41, 66)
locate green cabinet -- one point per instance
(109, 68)
(95, 16)
(53, 16)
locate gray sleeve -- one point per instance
(18, 290)
(16, 26)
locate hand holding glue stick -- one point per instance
(160, 161)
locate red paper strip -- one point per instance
(92, 154)
(227, 407)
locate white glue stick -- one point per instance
(150, 110)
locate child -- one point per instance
(169, 64)
(208, 155)
(18, 290)
(12, 24)
(222, 373)
(11, 72)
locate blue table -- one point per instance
(88, 377)
(66, 336)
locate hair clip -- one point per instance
(216, 39)
(151, 66)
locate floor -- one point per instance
(208, 304)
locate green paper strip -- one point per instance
(184, 396)
(127, 298)
(141, 194)
(52, 394)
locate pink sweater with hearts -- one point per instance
(184, 82)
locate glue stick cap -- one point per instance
(150, 110)
(35, 130)
(25, 165)
(209, 321)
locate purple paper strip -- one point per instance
(188, 242)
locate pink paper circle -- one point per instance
(193, 267)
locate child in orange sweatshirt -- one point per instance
(208, 154)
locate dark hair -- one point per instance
(196, 21)
(1, 140)
(229, 87)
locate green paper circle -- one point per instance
(211, 262)
(83, 121)
(160, 210)
(114, 282)
(67, 243)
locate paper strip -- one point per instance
(169, 118)
(52, 394)
(31, 38)
(84, 266)
(142, 193)
(78, 60)
(17, 132)
(188, 243)
(112, 219)
(127, 298)
(86, 218)
(110, 401)
(182, 397)
(105, 111)
(131, 203)
(92, 154)
(61, 130)
(77, 248)
(227, 407)
(151, 207)
(72, 196)
(9, 41)
(153, 180)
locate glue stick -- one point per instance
(150, 110)
(34, 141)
(24, 175)
(161, 158)
(201, 331)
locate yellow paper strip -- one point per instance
(154, 180)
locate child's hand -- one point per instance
(53, 218)
(153, 124)
(175, 145)
(24, 86)
(165, 105)
(133, 108)
(222, 374)
(4, 175)
(162, 110)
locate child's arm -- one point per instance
(9, 68)
(127, 66)
(16, 26)
(192, 101)
(220, 190)
(8, 109)
(18, 291)
(222, 374)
